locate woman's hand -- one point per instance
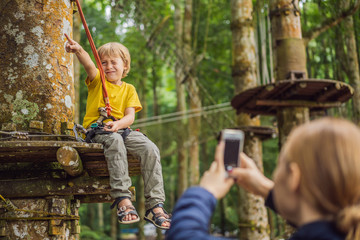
(249, 177)
(215, 179)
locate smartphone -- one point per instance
(234, 143)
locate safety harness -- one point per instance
(97, 128)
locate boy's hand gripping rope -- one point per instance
(97, 59)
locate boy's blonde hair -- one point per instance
(115, 49)
(327, 152)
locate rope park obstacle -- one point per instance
(45, 172)
(38, 129)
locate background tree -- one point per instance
(153, 32)
(181, 104)
(252, 212)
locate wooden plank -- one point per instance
(45, 151)
(28, 188)
(259, 131)
(21, 144)
(85, 188)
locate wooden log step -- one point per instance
(70, 160)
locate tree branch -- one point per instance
(329, 23)
(157, 30)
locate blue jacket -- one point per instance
(192, 214)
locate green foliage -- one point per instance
(88, 234)
(270, 148)
(147, 29)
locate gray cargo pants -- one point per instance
(137, 144)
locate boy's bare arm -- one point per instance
(84, 58)
(125, 122)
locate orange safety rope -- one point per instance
(97, 59)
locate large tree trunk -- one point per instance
(32, 225)
(253, 220)
(142, 114)
(100, 216)
(194, 128)
(339, 63)
(36, 72)
(181, 107)
(251, 210)
(37, 85)
(141, 208)
(193, 91)
(77, 37)
(289, 56)
(91, 215)
(113, 224)
(352, 61)
(155, 81)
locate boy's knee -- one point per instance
(152, 149)
(149, 151)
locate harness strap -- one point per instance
(97, 59)
(90, 134)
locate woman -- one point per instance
(316, 185)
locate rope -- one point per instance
(8, 205)
(196, 113)
(180, 113)
(97, 59)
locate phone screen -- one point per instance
(231, 154)
(234, 141)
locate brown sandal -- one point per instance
(121, 211)
(158, 218)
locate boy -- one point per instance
(115, 60)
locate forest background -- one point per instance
(167, 45)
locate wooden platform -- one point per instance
(30, 169)
(36, 152)
(315, 94)
(261, 132)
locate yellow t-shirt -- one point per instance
(121, 97)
